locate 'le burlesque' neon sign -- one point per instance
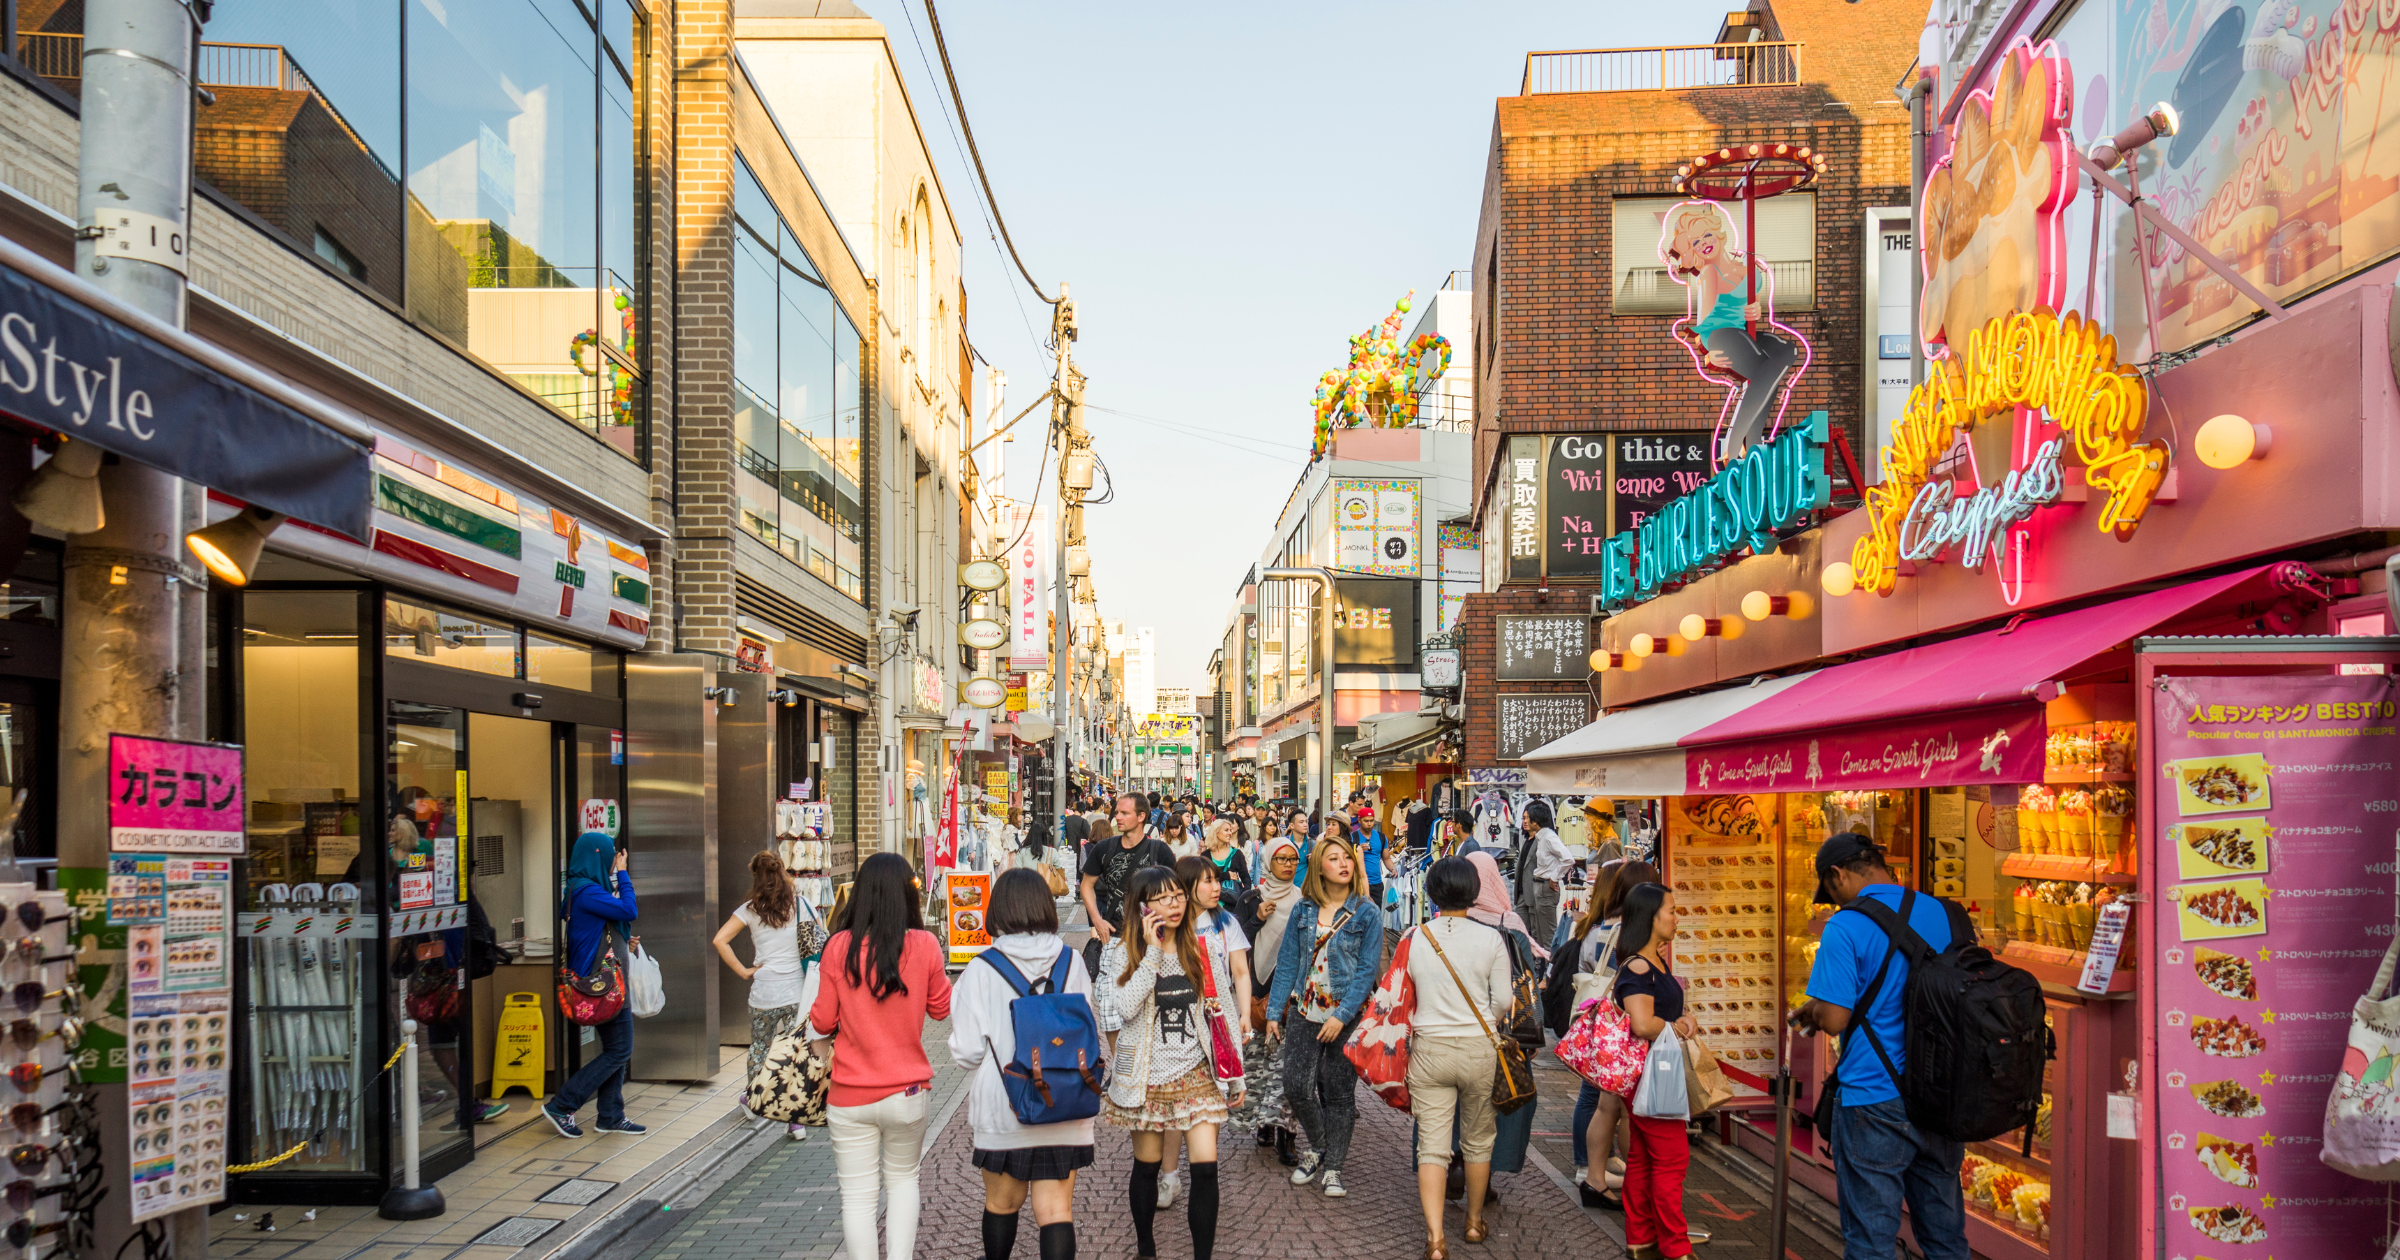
(1770, 487)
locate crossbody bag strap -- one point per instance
(1472, 1004)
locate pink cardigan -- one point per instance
(878, 1047)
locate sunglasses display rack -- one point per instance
(40, 975)
(304, 948)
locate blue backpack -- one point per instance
(1058, 1070)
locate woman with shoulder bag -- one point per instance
(1176, 1058)
(598, 892)
(1598, 1113)
(883, 977)
(1324, 972)
(1018, 1160)
(1233, 871)
(1461, 976)
(1652, 999)
(773, 916)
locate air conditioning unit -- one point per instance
(1079, 559)
(1078, 473)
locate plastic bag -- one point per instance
(646, 988)
(1661, 1096)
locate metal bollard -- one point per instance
(409, 1201)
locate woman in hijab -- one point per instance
(1265, 912)
(1491, 903)
(598, 892)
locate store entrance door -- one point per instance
(426, 946)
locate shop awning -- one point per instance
(1639, 751)
(1391, 732)
(79, 362)
(1952, 713)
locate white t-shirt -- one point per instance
(776, 954)
(1221, 924)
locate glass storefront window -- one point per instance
(555, 664)
(427, 769)
(797, 399)
(307, 1020)
(30, 595)
(441, 636)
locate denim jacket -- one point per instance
(1351, 957)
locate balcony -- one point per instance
(1757, 64)
(1649, 290)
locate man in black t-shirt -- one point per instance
(1108, 865)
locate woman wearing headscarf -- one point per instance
(1265, 911)
(598, 892)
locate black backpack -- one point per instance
(1977, 1037)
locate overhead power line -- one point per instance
(977, 154)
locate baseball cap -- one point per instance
(1841, 849)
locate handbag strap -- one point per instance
(2383, 974)
(1472, 1004)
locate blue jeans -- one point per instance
(1880, 1160)
(603, 1074)
(1587, 1104)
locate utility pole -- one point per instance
(127, 584)
(1062, 634)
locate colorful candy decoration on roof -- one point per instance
(1379, 387)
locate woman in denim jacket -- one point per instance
(1325, 968)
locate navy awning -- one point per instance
(77, 361)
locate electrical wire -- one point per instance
(943, 48)
(1039, 476)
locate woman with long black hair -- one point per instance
(1652, 999)
(882, 977)
(1167, 982)
(1591, 956)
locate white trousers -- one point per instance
(878, 1146)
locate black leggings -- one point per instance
(1322, 1087)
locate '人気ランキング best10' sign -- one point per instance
(2059, 366)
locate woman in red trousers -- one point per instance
(1652, 1000)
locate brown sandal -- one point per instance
(1477, 1231)
(1437, 1249)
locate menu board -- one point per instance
(2270, 923)
(1721, 864)
(970, 903)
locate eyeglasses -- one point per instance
(28, 1076)
(27, 951)
(22, 1193)
(22, 1232)
(1164, 899)
(31, 1157)
(35, 918)
(28, 1033)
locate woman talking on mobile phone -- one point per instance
(1169, 986)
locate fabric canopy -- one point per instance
(1638, 751)
(1391, 732)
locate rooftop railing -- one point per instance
(1661, 69)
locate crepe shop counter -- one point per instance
(2042, 865)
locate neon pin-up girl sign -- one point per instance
(1729, 294)
(1994, 250)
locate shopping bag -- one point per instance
(1603, 1050)
(2362, 1117)
(1704, 1083)
(1661, 1095)
(1379, 1047)
(645, 987)
(792, 1084)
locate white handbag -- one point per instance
(2362, 1117)
(1661, 1094)
(645, 987)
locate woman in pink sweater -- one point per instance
(882, 977)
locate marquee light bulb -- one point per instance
(2228, 441)
(1642, 645)
(1694, 627)
(1839, 579)
(1600, 660)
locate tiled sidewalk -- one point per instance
(515, 1163)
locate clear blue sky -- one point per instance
(1231, 194)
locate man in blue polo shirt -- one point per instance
(1880, 1160)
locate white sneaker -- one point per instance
(799, 1132)
(1307, 1170)
(1167, 1186)
(1333, 1185)
(1580, 1173)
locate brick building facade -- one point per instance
(1555, 355)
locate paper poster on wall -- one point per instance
(2256, 974)
(174, 796)
(969, 905)
(600, 814)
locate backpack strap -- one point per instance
(1057, 979)
(1008, 971)
(1901, 937)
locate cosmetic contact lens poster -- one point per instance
(2272, 914)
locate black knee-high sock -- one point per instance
(1203, 1209)
(1058, 1241)
(1145, 1205)
(999, 1234)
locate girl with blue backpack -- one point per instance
(1177, 1055)
(1023, 977)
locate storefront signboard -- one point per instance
(1522, 483)
(1375, 527)
(174, 796)
(1771, 487)
(1527, 722)
(2282, 788)
(1029, 605)
(2001, 745)
(1575, 517)
(1375, 622)
(969, 908)
(1542, 648)
(1647, 471)
(600, 813)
